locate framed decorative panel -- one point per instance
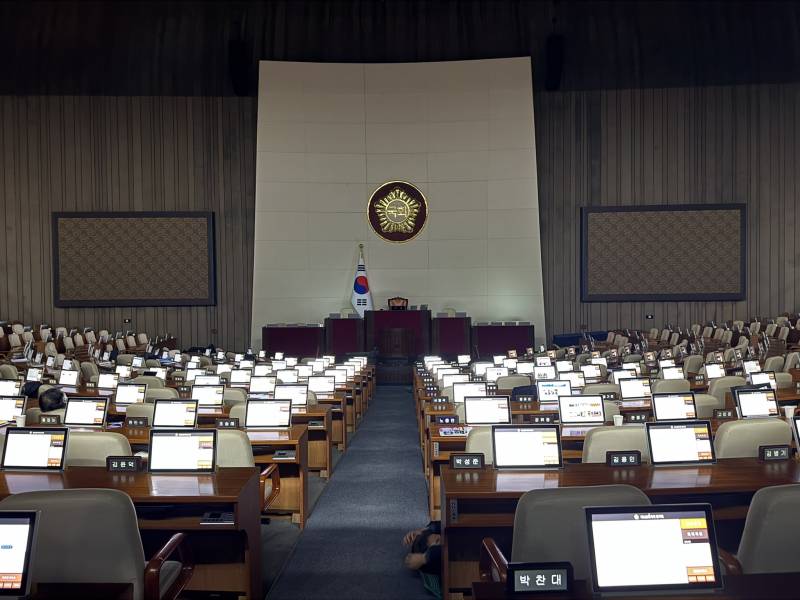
(689, 252)
(133, 259)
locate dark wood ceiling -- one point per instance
(183, 48)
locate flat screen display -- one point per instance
(487, 410)
(637, 388)
(129, 393)
(581, 410)
(11, 407)
(181, 450)
(674, 407)
(526, 446)
(756, 403)
(268, 413)
(86, 411)
(297, 393)
(473, 388)
(548, 391)
(680, 442)
(17, 532)
(35, 448)
(175, 413)
(208, 395)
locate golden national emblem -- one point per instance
(397, 211)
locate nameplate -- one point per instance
(184, 389)
(776, 452)
(90, 385)
(624, 458)
(125, 464)
(431, 390)
(637, 417)
(724, 413)
(445, 419)
(536, 419)
(467, 461)
(699, 379)
(228, 423)
(440, 400)
(608, 395)
(50, 420)
(178, 379)
(525, 399)
(136, 422)
(541, 578)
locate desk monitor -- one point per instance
(208, 395)
(449, 380)
(563, 366)
(751, 366)
(246, 364)
(159, 372)
(239, 356)
(684, 442)
(351, 370)
(494, 373)
(18, 535)
(86, 412)
(278, 356)
(526, 446)
(472, 388)
(329, 359)
(263, 385)
(714, 371)
(317, 366)
(340, 375)
(241, 377)
(287, 375)
(616, 375)
(108, 381)
(130, 393)
(650, 358)
(544, 361)
(291, 361)
(182, 450)
(599, 360)
(487, 410)
(207, 380)
(268, 413)
(666, 362)
(591, 371)
(510, 363)
(69, 378)
(322, 384)
(35, 448)
(756, 403)
(191, 374)
(440, 373)
(296, 392)
(672, 373)
(653, 548)
(464, 359)
(576, 379)
(226, 368)
(33, 374)
(124, 371)
(581, 410)
(674, 407)
(544, 373)
(137, 361)
(67, 365)
(498, 359)
(260, 370)
(175, 413)
(548, 390)
(479, 368)
(636, 388)
(764, 377)
(11, 407)
(304, 371)
(525, 368)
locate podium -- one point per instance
(451, 336)
(399, 336)
(344, 335)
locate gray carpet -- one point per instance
(351, 547)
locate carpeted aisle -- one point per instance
(351, 546)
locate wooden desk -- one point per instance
(227, 490)
(478, 504)
(338, 403)
(320, 437)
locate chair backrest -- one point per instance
(755, 327)
(479, 439)
(89, 370)
(234, 449)
(665, 333)
(141, 409)
(673, 339)
(600, 440)
(233, 396)
(151, 380)
(582, 359)
(791, 361)
(15, 341)
(696, 328)
(238, 412)
(90, 448)
(705, 405)
(707, 331)
(50, 349)
(120, 344)
(523, 390)
(770, 330)
(632, 358)
(79, 341)
(550, 524)
(719, 387)
(769, 539)
(600, 388)
(610, 337)
(509, 382)
(718, 332)
(741, 438)
(125, 359)
(774, 363)
(447, 392)
(153, 394)
(692, 364)
(68, 344)
(130, 341)
(784, 380)
(653, 335)
(8, 372)
(783, 333)
(34, 412)
(85, 536)
(141, 338)
(670, 386)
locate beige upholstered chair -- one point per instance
(550, 526)
(33, 413)
(696, 328)
(92, 536)
(79, 340)
(670, 386)
(632, 358)
(234, 450)
(707, 331)
(705, 405)
(142, 409)
(509, 382)
(770, 329)
(718, 333)
(774, 363)
(8, 372)
(721, 386)
(164, 393)
(653, 335)
(238, 411)
(234, 396)
(792, 361)
(783, 333)
(692, 364)
(91, 338)
(479, 439)
(784, 380)
(90, 448)
(17, 328)
(69, 345)
(601, 388)
(152, 381)
(600, 440)
(141, 338)
(735, 439)
(125, 359)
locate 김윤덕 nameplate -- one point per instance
(397, 211)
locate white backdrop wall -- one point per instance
(330, 134)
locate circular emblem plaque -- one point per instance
(397, 211)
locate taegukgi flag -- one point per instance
(362, 296)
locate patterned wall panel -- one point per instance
(663, 253)
(166, 259)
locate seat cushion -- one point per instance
(169, 573)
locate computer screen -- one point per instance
(35, 448)
(64, 378)
(714, 371)
(322, 384)
(175, 413)
(636, 388)
(479, 368)
(268, 413)
(86, 411)
(680, 442)
(263, 385)
(617, 374)
(241, 376)
(291, 361)
(756, 403)
(246, 364)
(208, 395)
(525, 368)
(487, 410)
(544, 373)
(128, 393)
(473, 388)
(181, 450)
(207, 380)
(287, 375)
(260, 370)
(666, 362)
(576, 379)
(548, 390)
(17, 532)
(543, 361)
(526, 446)
(563, 366)
(297, 393)
(591, 371)
(440, 373)
(579, 410)
(33, 374)
(108, 381)
(317, 366)
(124, 371)
(278, 356)
(351, 370)
(159, 372)
(672, 373)
(464, 359)
(600, 360)
(497, 360)
(674, 407)
(751, 366)
(764, 377)
(340, 375)
(449, 380)
(304, 371)
(66, 364)
(11, 407)
(137, 361)
(224, 369)
(650, 548)
(510, 363)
